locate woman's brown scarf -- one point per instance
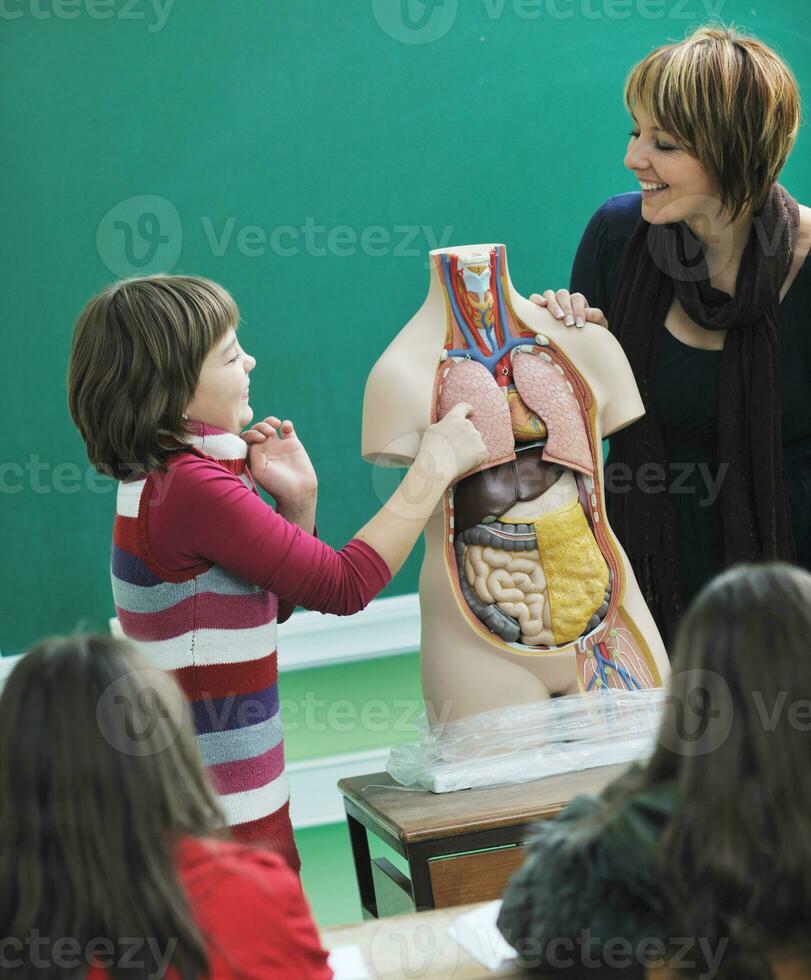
(661, 259)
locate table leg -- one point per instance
(363, 866)
(421, 887)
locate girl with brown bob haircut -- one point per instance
(202, 568)
(110, 829)
(704, 278)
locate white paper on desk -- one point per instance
(347, 963)
(477, 933)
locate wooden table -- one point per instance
(416, 945)
(419, 945)
(460, 847)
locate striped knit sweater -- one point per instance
(216, 632)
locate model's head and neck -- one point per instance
(472, 267)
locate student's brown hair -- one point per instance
(729, 100)
(100, 777)
(138, 349)
(734, 859)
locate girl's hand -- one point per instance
(279, 462)
(452, 446)
(570, 307)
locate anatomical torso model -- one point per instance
(525, 592)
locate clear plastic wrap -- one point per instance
(530, 741)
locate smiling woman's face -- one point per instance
(221, 396)
(674, 184)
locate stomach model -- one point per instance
(533, 566)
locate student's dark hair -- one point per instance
(138, 349)
(735, 859)
(99, 778)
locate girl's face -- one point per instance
(221, 396)
(675, 186)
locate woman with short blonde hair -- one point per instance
(703, 277)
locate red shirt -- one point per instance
(200, 510)
(251, 912)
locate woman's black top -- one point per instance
(685, 394)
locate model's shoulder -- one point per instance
(606, 343)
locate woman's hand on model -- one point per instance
(279, 462)
(451, 447)
(571, 308)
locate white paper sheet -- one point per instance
(476, 932)
(347, 963)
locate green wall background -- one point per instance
(205, 131)
(309, 114)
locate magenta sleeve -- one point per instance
(202, 512)
(287, 608)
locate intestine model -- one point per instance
(525, 592)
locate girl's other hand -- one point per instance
(571, 308)
(279, 462)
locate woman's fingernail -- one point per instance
(580, 322)
(559, 313)
(569, 320)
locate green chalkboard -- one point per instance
(306, 154)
